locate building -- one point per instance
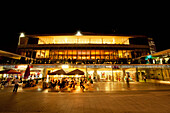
(100, 57)
(86, 48)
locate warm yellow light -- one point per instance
(65, 66)
(22, 66)
(22, 35)
(66, 40)
(113, 41)
(78, 33)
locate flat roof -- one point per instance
(85, 34)
(11, 55)
(157, 54)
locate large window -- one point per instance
(43, 53)
(84, 54)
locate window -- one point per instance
(88, 52)
(70, 52)
(47, 54)
(92, 52)
(83, 52)
(120, 53)
(79, 52)
(74, 52)
(97, 52)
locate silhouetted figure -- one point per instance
(127, 80)
(16, 85)
(144, 78)
(81, 85)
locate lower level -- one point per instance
(97, 72)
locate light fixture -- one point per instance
(78, 33)
(22, 35)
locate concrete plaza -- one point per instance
(104, 97)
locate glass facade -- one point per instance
(81, 54)
(84, 39)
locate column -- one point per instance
(44, 84)
(137, 77)
(86, 72)
(124, 74)
(162, 74)
(45, 72)
(112, 74)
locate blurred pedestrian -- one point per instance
(81, 85)
(16, 85)
(144, 78)
(91, 82)
(127, 80)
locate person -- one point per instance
(81, 85)
(127, 80)
(91, 82)
(144, 78)
(8, 79)
(16, 85)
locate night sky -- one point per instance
(139, 20)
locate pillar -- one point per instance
(86, 72)
(137, 76)
(44, 72)
(162, 74)
(112, 75)
(124, 74)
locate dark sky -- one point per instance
(147, 20)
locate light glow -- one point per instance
(22, 35)
(78, 33)
(65, 66)
(22, 67)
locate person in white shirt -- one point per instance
(16, 85)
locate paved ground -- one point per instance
(144, 98)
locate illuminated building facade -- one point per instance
(86, 48)
(101, 57)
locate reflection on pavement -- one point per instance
(97, 86)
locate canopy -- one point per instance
(76, 72)
(58, 72)
(10, 71)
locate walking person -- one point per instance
(16, 85)
(144, 78)
(91, 82)
(81, 85)
(127, 81)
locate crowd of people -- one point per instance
(66, 83)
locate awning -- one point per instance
(76, 72)
(58, 72)
(10, 71)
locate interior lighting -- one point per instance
(65, 66)
(47, 78)
(113, 41)
(22, 67)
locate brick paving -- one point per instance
(154, 98)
